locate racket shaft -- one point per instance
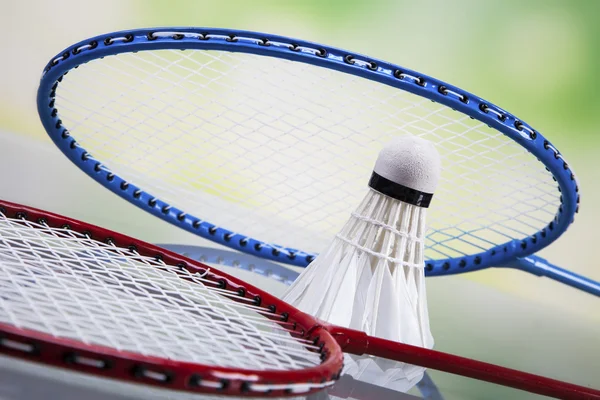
(540, 267)
(359, 343)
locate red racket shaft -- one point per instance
(358, 343)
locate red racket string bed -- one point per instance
(80, 297)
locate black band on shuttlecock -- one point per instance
(399, 192)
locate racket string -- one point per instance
(72, 272)
(261, 143)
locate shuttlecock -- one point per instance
(371, 277)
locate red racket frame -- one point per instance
(126, 366)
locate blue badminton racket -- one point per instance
(265, 144)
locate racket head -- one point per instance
(54, 268)
(457, 245)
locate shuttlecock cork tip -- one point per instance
(408, 169)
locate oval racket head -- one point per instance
(79, 297)
(265, 144)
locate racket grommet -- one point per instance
(349, 59)
(429, 267)
(124, 185)
(372, 66)
(212, 230)
(165, 209)
(284, 317)
(462, 263)
(73, 144)
(85, 156)
(150, 36)
(243, 242)
(398, 74)
(533, 135)
(93, 44)
(493, 252)
(443, 90)
(484, 107)
(137, 194)
(66, 226)
(272, 308)
(110, 177)
(224, 384)
(65, 134)
(523, 244)
(464, 99)
(241, 292)
(181, 216)
(321, 52)
(420, 81)
(227, 237)
(221, 284)
(546, 144)
(477, 260)
(264, 42)
(502, 117)
(294, 47)
(245, 387)
(194, 380)
(178, 36)
(128, 38)
(291, 255)
(158, 258)
(257, 301)
(108, 41)
(446, 266)
(231, 38)
(258, 246)
(152, 202)
(109, 241)
(310, 258)
(21, 215)
(58, 124)
(275, 252)
(565, 166)
(196, 224)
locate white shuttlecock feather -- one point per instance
(371, 277)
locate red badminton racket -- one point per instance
(80, 297)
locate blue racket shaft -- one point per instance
(541, 267)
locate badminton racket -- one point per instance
(262, 143)
(84, 298)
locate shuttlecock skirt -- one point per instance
(371, 278)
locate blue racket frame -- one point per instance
(324, 56)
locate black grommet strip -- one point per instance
(399, 192)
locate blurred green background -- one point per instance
(538, 59)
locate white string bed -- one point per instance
(60, 282)
(282, 151)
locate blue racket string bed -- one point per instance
(264, 144)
